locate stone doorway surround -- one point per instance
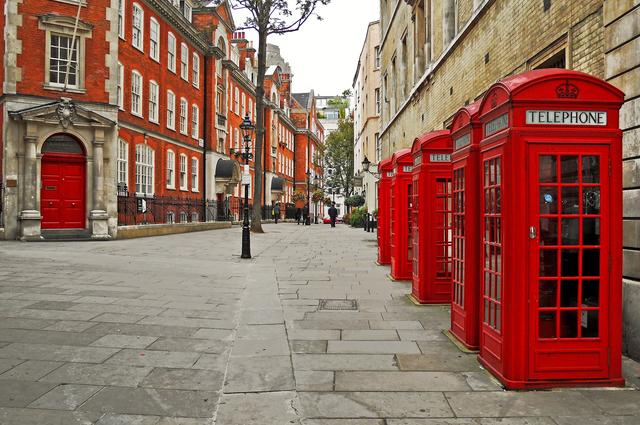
(28, 129)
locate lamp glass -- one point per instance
(365, 164)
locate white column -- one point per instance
(30, 215)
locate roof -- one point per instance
(225, 167)
(420, 142)
(304, 99)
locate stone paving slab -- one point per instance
(15, 393)
(31, 370)
(372, 347)
(65, 397)
(501, 404)
(48, 417)
(259, 374)
(344, 362)
(434, 362)
(98, 374)
(277, 408)
(147, 401)
(370, 335)
(63, 353)
(374, 404)
(400, 381)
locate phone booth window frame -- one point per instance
(558, 114)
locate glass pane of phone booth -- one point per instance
(458, 237)
(492, 242)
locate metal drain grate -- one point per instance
(338, 305)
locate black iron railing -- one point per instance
(138, 208)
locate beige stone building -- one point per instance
(366, 130)
(621, 20)
(437, 55)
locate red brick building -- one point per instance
(136, 119)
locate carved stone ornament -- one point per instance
(567, 90)
(66, 112)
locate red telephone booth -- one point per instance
(551, 230)
(466, 133)
(431, 218)
(385, 168)
(400, 223)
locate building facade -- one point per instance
(128, 112)
(437, 55)
(366, 115)
(622, 69)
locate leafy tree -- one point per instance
(338, 157)
(317, 195)
(269, 17)
(355, 201)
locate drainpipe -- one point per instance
(205, 124)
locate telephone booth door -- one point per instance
(432, 220)
(568, 189)
(466, 133)
(401, 215)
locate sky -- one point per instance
(324, 54)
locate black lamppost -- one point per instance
(247, 128)
(316, 181)
(307, 219)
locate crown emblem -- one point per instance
(567, 90)
(494, 100)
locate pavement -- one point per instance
(179, 330)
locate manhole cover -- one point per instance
(338, 305)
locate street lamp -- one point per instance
(307, 219)
(366, 164)
(316, 180)
(247, 128)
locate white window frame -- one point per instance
(236, 101)
(171, 169)
(120, 89)
(136, 97)
(171, 52)
(171, 110)
(145, 164)
(182, 176)
(122, 7)
(154, 102)
(184, 61)
(194, 174)
(244, 105)
(251, 109)
(195, 121)
(137, 41)
(171, 217)
(123, 163)
(184, 116)
(154, 39)
(79, 62)
(195, 67)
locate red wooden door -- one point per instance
(62, 195)
(570, 249)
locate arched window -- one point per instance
(123, 163)
(171, 52)
(154, 39)
(171, 169)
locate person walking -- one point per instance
(276, 212)
(333, 214)
(298, 215)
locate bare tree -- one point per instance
(269, 17)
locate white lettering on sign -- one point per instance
(417, 159)
(567, 117)
(496, 124)
(390, 173)
(407, 168)
(462, 141)
(440, 157)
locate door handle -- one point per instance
(532, 232)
